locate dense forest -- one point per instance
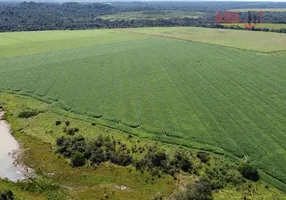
(31, 16)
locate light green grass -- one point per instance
(22, 43)
(139, 15)
(270, 26)
(197, 95)
(260, 9)
(256, 41)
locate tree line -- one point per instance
(31, 16)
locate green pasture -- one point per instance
(149, 84)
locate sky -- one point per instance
(154, 0)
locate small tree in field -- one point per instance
(78, 159)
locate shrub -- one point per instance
(249, 172)
(70, 131)
(67, 123)
(203, 156)
(78, 159)
(28, 114)
(196, 191)
(98, 156)
(7, 195)
(58, 122)
(182, 161)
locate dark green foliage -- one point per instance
(200, 190)
(182, 161)
(78, 159)
(98, 156)
(7, 195)
(28, 114)
(68, 146)
(70, 131)
(203, 156)
(249, 172)
(97, 151)
(67, 123)
(28, 15)
(159, 158)
(58, 122)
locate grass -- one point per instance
(254, 41)
(270, 26)
(25, 43)
(260, 9)
(202, 96)
(139, 15)
(37, 136)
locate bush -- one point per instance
(28, 114)
(196, 191)
(182, 161)
(7, 195)
(58, 122)
(249, 172)
(98, 156)
(78, 159)
(67, 123)
(203, 156)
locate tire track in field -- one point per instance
(233, 120)
(274, 142)
(266, 151)
(169, 108)
(13, 67)
(181, 94)
(210, 84)
(262, 101)
(206, 109)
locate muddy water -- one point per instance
(8, 147)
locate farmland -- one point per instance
(155, 84)
(269, 26)
(260, 9)
(254, 41)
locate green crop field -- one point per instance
(270, 26)
(198, 95)
(260, 9)
(256, 41)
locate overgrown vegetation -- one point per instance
(28, 113)
(7, 195)
(153, 159)
(200, 190)
(249, 172)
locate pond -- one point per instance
(8, 149)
